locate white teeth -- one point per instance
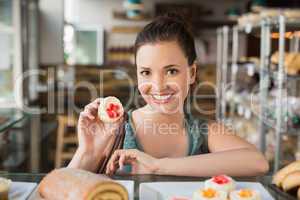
(158, 97)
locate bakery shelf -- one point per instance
(126, 29)
(121, 15)
(264, 28)
(287, 76)
(252, 23)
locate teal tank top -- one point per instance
(196, 129)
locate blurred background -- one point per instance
(58, 55)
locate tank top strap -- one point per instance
(197, 131)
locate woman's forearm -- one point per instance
(85, 160)
(90, 158)
(239, 162)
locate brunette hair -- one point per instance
(169, 27)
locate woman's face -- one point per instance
(164, 76)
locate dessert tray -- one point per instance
(20, 190)
(169, 190)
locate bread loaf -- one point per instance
(76, 184)
(291, 181)
(281, 174)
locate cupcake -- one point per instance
(209, 194)
(110, 109)
(245, 194)
(221, 183)
(4, 188)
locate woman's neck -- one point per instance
(173, 117)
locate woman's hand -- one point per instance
(140, 162)
(93, 134)
(94, 138)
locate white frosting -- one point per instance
(227, 187)
(104, 103)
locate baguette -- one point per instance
(281, 174)
(76, 184)
(291, 181)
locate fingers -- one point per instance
(109, 166)
(119, 159)
(112, 128)
(122, 161)
(90, 111)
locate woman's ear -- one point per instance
(193, 72)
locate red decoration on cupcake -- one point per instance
(113, 110)
(222, 179)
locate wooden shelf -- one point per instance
(121, 15)
(126, 29)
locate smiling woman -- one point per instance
(163, 78)
(166, 70)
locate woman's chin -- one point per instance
(169, 108)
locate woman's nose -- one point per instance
(158, 83)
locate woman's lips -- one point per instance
(161, 99)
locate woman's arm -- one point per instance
(90, 159)
(229, 154)
(85, 160)
(95, 138)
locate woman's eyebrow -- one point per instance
(145, 68)
(165, 67)
(170, 66)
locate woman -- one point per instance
(161, 138)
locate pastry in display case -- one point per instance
(287, 180)
(291, 62)
(71, 183)
(4, 188)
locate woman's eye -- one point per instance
(172, 71)
(145, 73)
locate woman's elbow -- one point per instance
(262, 165)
